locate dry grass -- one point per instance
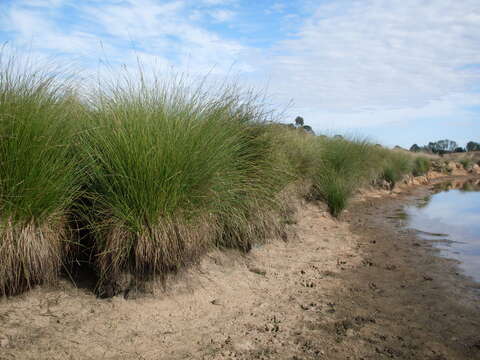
(31, 254)
(158, 250)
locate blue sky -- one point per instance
(398, 71)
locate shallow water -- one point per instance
(451, 219)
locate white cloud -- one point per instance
(137, 20)
(277, 7)
(222, 15)
(164, 31)
(44, 3)
(217, 2)
(118, 32)
(396, 54)
(27, 23)
(448, 107)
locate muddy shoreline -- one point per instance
(423, 306)
(361, 287)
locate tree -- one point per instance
(308, 129)
(442, 146)
(473, 146)
(459, 150)
(299, 121)
(415, 148)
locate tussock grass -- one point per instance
(297, 150)
(466, 162)
(344, 166)
(31, 254)
(395, 166)
(157, 172)
(174, 172)
(421, 165)
(38, 175)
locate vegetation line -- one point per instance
(142, 177)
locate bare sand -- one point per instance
(361, 287)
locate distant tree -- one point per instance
(338, 136)
(459, 150)
(473, 146)
(299, 121)
(442, 146)
(300, 124)
(448, 145)
(308, 129)
(415, 148)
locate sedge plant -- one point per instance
(39, 178)
(344, 166)
(421, 165)
(395, 166)
(174, 171)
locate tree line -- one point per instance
(440, 147)
(445, 146)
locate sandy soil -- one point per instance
(361, 287)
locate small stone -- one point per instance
(350, 332)
(4, 342)
(272, 328)
(258, 271)
(215, 302)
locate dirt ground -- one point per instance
(362, 287)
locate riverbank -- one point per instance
(423, 306)
(358, 287)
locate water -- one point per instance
(451, 219)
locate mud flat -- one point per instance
(423, 307)
(362, 287)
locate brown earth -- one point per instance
(362, 287)
(472, 155)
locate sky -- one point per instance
(396, 71)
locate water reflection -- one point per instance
(450, 218)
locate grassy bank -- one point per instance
(155, 174)
(173, 173)
(39, 176)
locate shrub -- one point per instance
(395, 166)
(344, 166)
(39, 179)
(466, 162)
(174, 172)
(297, 150)
(421, 165)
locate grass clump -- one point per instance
(173, 172)
(466, 162)
(343, 166)
(38, 176)
(395, 166)
(297, 149)
(421, 165)
(159, 173)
